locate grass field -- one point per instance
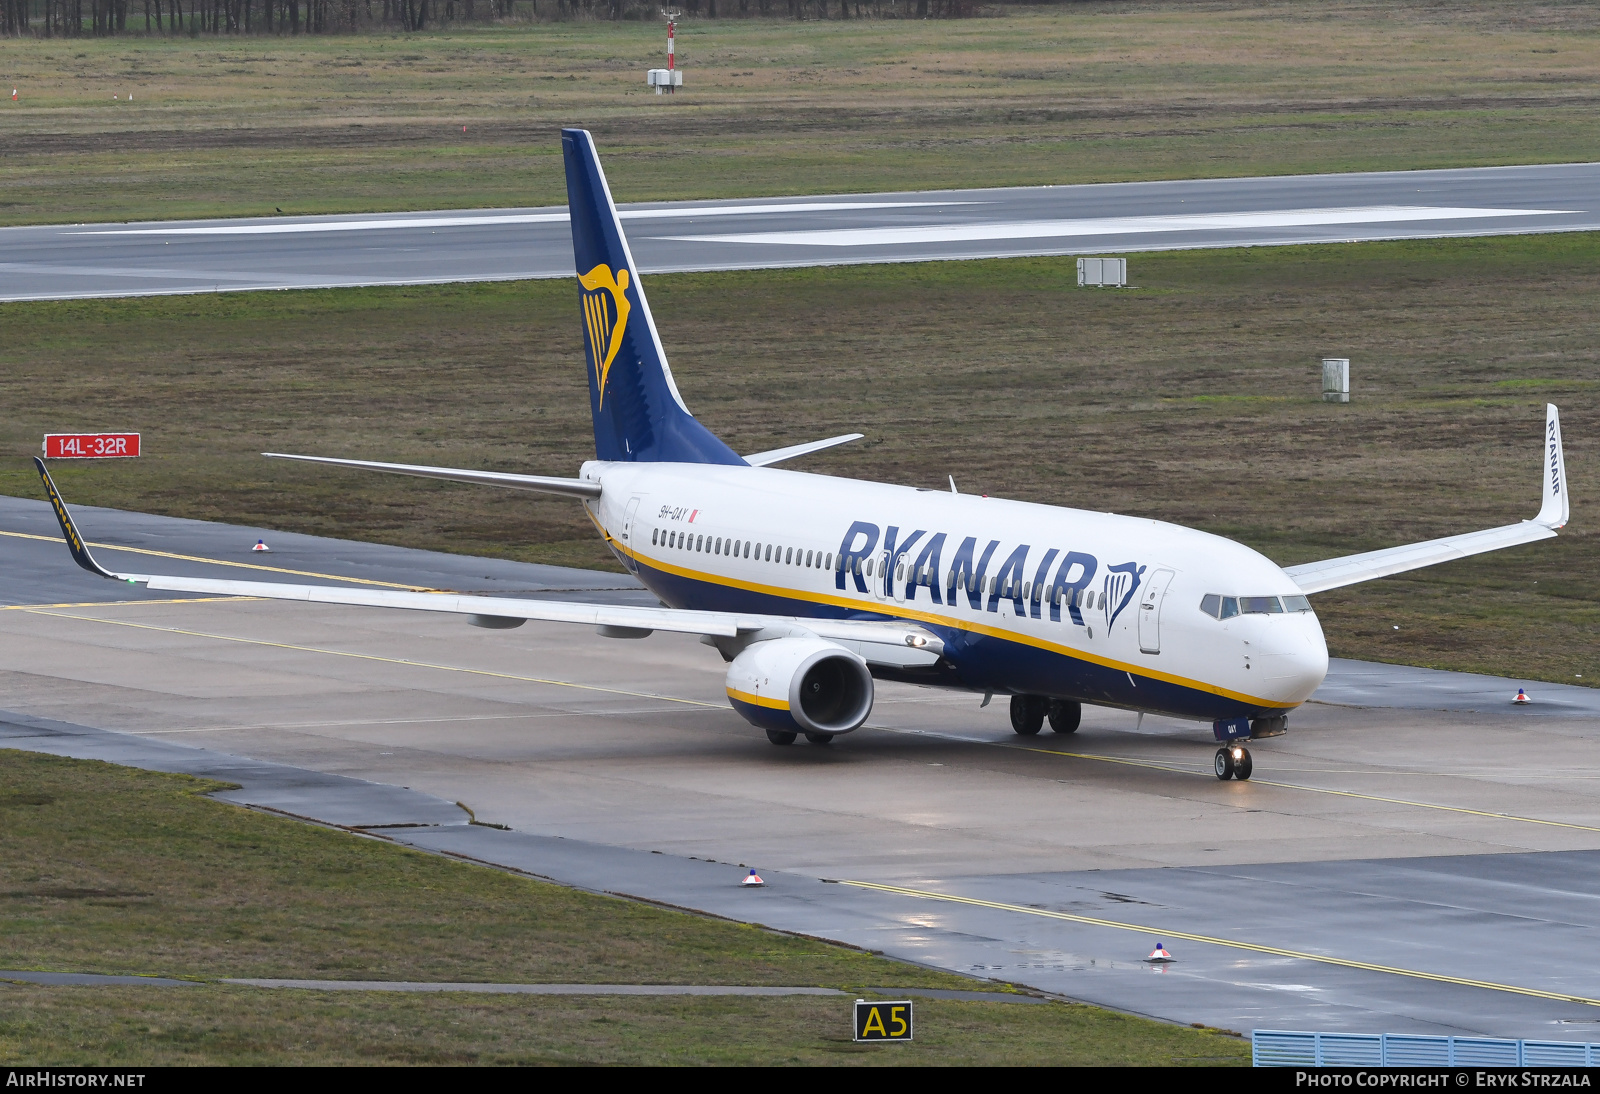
(108, 869)
(1054, 94)
(1192, 398)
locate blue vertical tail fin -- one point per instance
(638, 413)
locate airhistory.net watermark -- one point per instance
(46, 1078)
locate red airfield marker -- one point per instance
(90, 446)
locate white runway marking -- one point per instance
(1110, 226)
(300, 227)
(117, 271)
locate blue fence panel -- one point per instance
(1350, 1049)
(1408, 1050)
(1484, 1052)
(1289, 1048)
(1277, 1048)
(1555, 1054)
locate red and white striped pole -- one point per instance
(672, 28)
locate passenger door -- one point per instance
(881, 582)
(629, 518)
(1150, 598)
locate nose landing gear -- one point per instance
(1233, 762)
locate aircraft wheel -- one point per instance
(1243, 766)
(1223, 765)
(780, 737)
(1065, 715)
(820, 738)
(1027, 714)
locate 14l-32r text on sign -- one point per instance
(90, 446)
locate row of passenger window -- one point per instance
(740, 548)
(1214, 605)
(1226, 607)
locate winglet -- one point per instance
(1553, 467)
(75, 543)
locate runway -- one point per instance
(104, 260)
(1398, 863)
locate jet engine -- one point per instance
(800, 685)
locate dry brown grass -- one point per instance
(1053, 94)
(1192, 398)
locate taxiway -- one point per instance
(1395, 865)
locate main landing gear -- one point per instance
(784, 737)
(1233, 762)
(1028, 713)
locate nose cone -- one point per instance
(1293, 659)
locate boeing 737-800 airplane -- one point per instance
(812, 587)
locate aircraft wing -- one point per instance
(880, 642)
(1333, 573)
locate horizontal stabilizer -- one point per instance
(541, 484)
(778, 455)
(1334, 573)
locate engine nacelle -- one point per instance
(800, 685)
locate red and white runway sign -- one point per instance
(90, 446)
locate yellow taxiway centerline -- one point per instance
(1342, 962)
(1316, 789)
(224, 562)
(376, 657)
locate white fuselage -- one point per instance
(1029, 599)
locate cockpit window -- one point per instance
(1226, 607)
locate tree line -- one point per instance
(99, 18)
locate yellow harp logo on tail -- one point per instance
(605, 314)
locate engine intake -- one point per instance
(800, 685)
